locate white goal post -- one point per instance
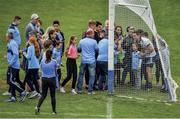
(141, 8)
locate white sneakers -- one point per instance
(11, 99)
(62, 90)
(37, 110)
(33, 95)
(73, 92)
(91, 93)
(54, 113)
(6, 93)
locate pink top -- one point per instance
(72, 52)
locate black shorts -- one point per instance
(148, 60)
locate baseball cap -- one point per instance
(34, 16)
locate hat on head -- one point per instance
(34, 16)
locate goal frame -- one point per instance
(151, 25)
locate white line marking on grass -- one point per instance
(168, 104)
(86, 116)
(123, 96)
(80, 114)
(109, 108)
(142, 99)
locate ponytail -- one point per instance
(48, 56)
(70, 42)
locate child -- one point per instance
(13, 69)
(33, 52)
(46, 46)
(57, 56)
(71, 66)
(136, 66)
(48, 68)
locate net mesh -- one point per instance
(134, 13)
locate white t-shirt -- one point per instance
(145, 42)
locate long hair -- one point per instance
(120, 28)
(70, 42)
(50, 33)
(33, 40)
(47, 44)
(48, 56)
(45, 35)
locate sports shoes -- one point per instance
(149, 89)
(62, 90)
(73, 92)
(6, 93)
(11, 99)
(79, 92)
(33, 94)
(148, 86)
(37, 110)
(164, 90)
(22, 96)
(54, 113)
(91, 93)
(39, 95)
(27, 92)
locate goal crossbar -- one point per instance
(131, 5)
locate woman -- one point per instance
(71, 66)
(48, 68)
(33, 52)
(118, 37)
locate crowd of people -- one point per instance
(134, 52)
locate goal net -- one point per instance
(125, 16)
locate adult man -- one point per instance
(106, 28)
(32, 25)
(88, 47)
(13, 28)
(148, 52)
(13, 68)
(91, 25)
(98, 31)
(102, 62)
(59, 34)
(127, 61)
